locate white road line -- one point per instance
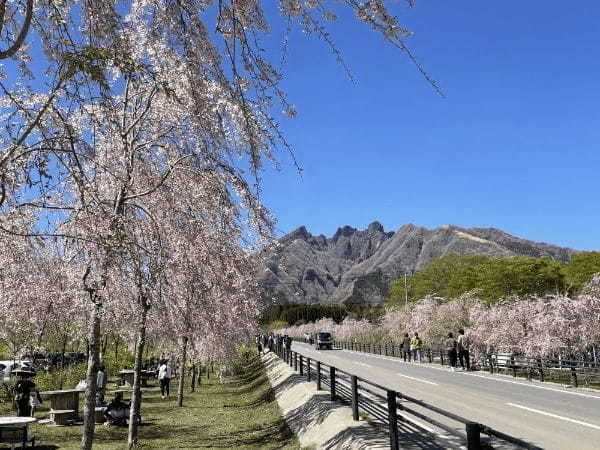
(417, 379)
(362, 364)
(566, 419)
(486, 377)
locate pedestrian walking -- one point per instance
(288, 344)
(450, 345)
(101, 385)
(258, 344)
(463, 350)
(416, 343)
(405, 348)
(164, 378)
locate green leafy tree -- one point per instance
(434, 279)
(518, 276)
(581, 269)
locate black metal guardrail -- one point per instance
(568, 369)
(388, 406)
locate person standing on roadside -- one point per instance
(415, 346)
(463, 350)
(405, 346)
(450, 345)
(288, 344)
(258, 344)
(164, 378)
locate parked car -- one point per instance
(323, 340)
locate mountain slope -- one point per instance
(358, 266)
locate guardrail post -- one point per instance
(318, 375)
(332, 382)
(400, 407)
(473, 436)
(574, 377)
(354, 381)
(295, 361)
(393, 420)
(301, 365)
(308, 369)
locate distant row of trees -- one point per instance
(492, 279)
(283, 315)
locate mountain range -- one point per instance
(358, 266)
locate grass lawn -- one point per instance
(240, 413)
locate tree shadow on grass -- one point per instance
(266, 397)
(274, 435)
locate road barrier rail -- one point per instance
(569, 371)
(389, 407)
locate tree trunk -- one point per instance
(182, 371)
(193, 377)
(116, 348)
(92, 371)
(136, 399)
(62, 363)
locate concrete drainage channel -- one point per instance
(312, 416)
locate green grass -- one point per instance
(241, 413)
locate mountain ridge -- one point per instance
(358, 266)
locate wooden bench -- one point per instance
(16, 435)
(99, 414)
(61, 416)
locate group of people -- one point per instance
(411, 347)
(26, 395)
(457, 349)
(273, 342)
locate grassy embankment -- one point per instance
(240, 413)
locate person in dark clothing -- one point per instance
(117, 411)
(463, 350)
(288, 344)
(22, 391)
(405, 347)
(451, 351)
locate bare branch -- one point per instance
(23, 33)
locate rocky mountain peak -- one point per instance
(358, 266)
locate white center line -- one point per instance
(417, 379)
(566, 419)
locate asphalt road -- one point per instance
(547, 415)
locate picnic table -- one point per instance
(126, 375)
(66, 399)
(14, 429)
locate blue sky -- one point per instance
(514, 144)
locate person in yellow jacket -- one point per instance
(416, 343)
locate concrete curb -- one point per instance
(317, 421)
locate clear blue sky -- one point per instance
(514, 144)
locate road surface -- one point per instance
(547, 415)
